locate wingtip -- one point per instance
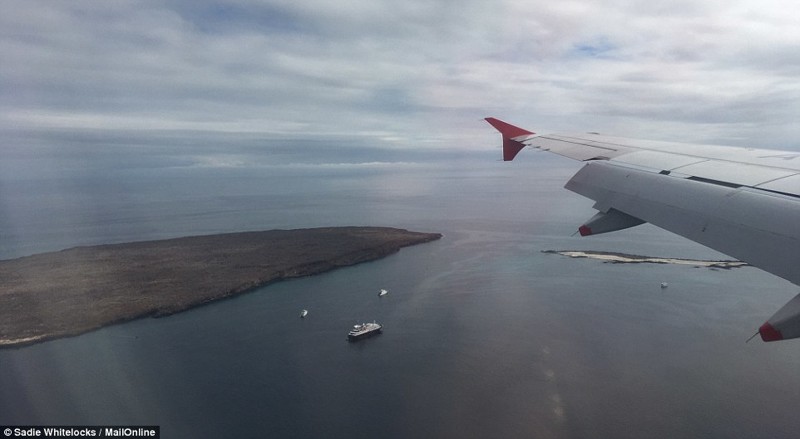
(769, 333)
(506, 128)
(511, 147)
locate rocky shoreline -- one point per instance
(73, 291)
(624, 258)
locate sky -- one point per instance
(395, 76)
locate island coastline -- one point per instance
(625, 258)
(77, 290)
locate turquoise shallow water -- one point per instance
(485, 336)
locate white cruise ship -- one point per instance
(364, 330)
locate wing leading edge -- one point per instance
(741, 202)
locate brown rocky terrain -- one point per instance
(77, 290)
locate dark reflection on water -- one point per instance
(484, 336)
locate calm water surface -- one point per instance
(485, 336)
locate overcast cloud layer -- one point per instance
(404, 74)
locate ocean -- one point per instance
(484, 335)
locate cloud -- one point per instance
(419, 73)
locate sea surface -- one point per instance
(484, 335)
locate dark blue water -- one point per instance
(485, 336)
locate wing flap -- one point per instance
(787, 185)
(659, 161)
(582, 151)
(740, 174)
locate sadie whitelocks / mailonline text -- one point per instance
(15, 431)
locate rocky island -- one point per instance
(80, 289)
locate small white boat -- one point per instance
(663, 285)
(303, 313)
(382, 293)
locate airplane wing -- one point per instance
(743, 202)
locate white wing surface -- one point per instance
(743, 202)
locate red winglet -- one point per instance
(510, 147)
(506, 129)
(768, 333)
